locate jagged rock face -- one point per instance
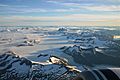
(57, 60)
(91, 57)
(51, 72)
(55, 69)
(72, 50)
(13, 67)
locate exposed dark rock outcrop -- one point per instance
(90, 56)
(13, 67)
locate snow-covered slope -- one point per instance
(47, 60)
(13, 67)
(91, 56)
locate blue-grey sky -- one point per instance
(60, 12)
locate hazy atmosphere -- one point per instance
(59, 39)
(60, 12)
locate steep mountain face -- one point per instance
(91, 56)
(13, 67)
(51, 72)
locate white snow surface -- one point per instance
(46, 41)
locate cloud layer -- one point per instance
(60, 12)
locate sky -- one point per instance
(59, 12)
